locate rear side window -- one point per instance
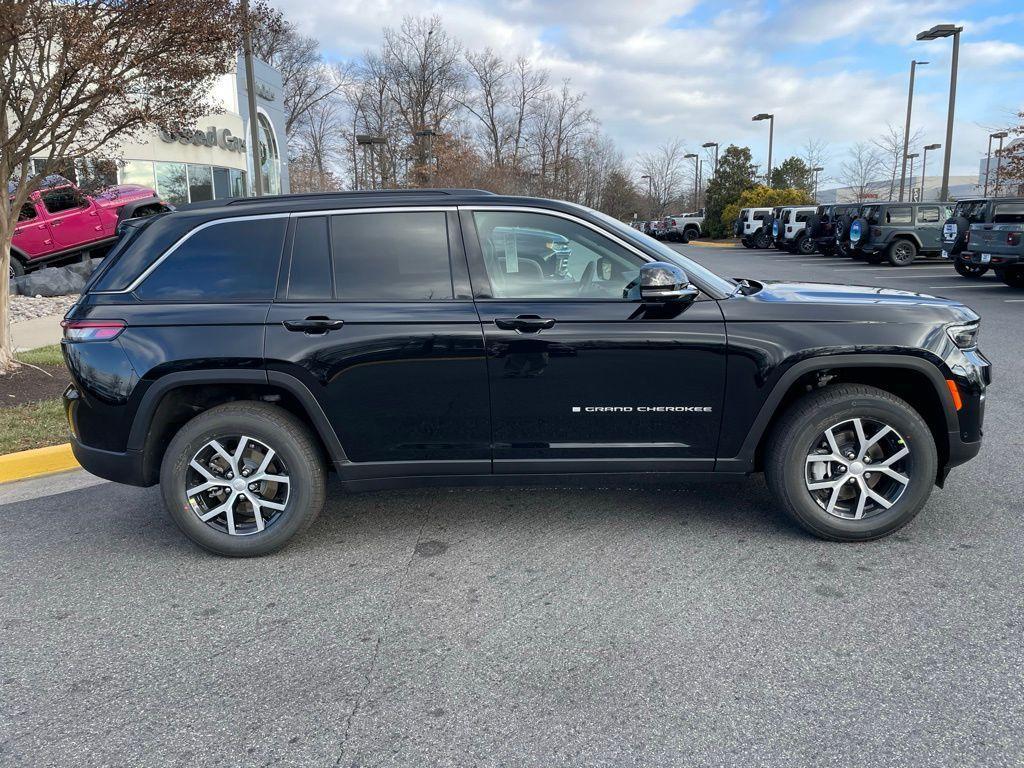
(401, 256)
(898, 216)
(226, 261)
(1008, 213)
(803, 216)
(927, 215)
(309, 276)
(761, 216)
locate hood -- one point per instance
(824, 302)
(122, 193)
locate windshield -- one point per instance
(692, 268)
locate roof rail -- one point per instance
(416, 192)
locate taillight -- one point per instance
(1013, 238)
(92, 330)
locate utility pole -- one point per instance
(924, 166)
(250, 92)
(906, 129)
(988, 166)
(999, 157)
(947, 30)
(771, 138)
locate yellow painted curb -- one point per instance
(711, 244)
(39, 461)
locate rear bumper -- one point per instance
(996, 259)
(124, 467)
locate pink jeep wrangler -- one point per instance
(60, 221)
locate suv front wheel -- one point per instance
(242, 479)
(851, 462)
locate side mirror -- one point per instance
(661, 282)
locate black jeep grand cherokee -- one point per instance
(235, 351)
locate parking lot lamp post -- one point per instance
(693, 156)
(771, 138)
(816, 170)
(650, 192)
(999, 158)
(947, 30)
(709, 145)
(906, 128)
(988, 165)
(429, 134)
(924, 165)
(910, 186)
(250, 92)
(367, 142)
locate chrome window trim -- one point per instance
(258, 216)
(600, 230)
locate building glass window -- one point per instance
(238, 188)
(138, 172)
(270, 158)
(221, 183)
(200, 183)
(172, 182)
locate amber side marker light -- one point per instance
(957, 402)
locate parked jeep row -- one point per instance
(978, 234)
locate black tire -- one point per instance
(16, 268)
(813, 226)
(277, 429)
(963, 226)
(685, 235)
(747, 242)
(971, 271)
(871, 258)
(901, 253)
(762, 240)
(1013, 276)
(795, 437)
(805, 245)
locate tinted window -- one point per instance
(803, 216)
(1008, 213)
(927, 215)
(63, 200)
(228, 261)
(309, 277)
(972, 210)
(28, 212)
(898, 216)
(761, 216)
(391, 256)
(535, 256)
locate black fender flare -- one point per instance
(912, 236)
(154, 394)
(744, 460)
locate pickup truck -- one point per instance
(60, 220)
(685, 227)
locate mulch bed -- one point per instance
(28, 385)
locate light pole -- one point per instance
(771, 138)
(650, 192)
(815, 170)
(999, 158)
(367, 141)
(696, 172)
(250, 93)
(947, 30)
(709, 145)
(911, 185)
(924, 166)
(906, 129)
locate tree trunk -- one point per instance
(6, 347)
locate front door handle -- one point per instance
(317, 324)
(525, 323)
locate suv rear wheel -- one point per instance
(1013, 276)
(851, 462)
(965, 269)
(16, 267)
(242, 479)
(805, 245)
(901, 253)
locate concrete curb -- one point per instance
(712, 244)
(39, 461)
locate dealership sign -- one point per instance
(211, 137)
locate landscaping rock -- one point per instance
(51, 281)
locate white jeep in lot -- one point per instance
(686, 226)
(751, 228)
(789, 229)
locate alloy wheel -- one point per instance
(858, 468)
(901, 253)
(237, 484)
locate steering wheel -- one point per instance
(587, 278)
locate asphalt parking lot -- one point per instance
(690, 625)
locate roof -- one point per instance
(328, 200)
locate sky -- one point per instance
(653, 71)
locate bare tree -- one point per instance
(816, 155)
(861, 167)
(489, 100)
(665, 167)
(78, 78)
(890, 144)
(530, 86)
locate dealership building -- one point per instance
(209, 160)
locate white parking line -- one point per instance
(963, 287)
(905, 277)
(1012, 301)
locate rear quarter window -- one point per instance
(1008, 213)
(899, 216)
(225, 261)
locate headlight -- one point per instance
(964, 335)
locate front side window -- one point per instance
(927, 215)
(537, 256)
(226, 261)
(870, 213)
(400, 256)
(64, 199)
(899, 216)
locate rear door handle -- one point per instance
(313, 325)
(525, 323)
